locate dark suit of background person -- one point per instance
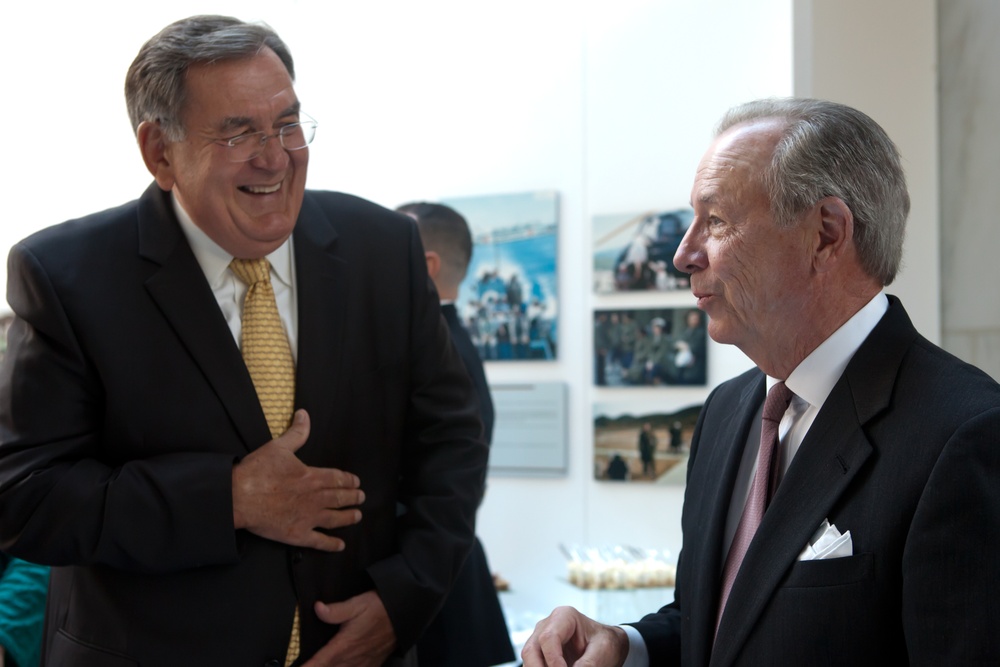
(470, 630)
(903, 452)
(128, 415)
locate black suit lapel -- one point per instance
(829, 458)
(178, 286)
(322, 282)
(831, 455)
(718, 466)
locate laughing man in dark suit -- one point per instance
(135, 454)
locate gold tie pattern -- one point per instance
(265, 345)
(269, 359)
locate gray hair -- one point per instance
(831, 150)
(155, 83)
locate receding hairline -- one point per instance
(749, 145)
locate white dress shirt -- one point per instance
(811, 382)
(230, 291)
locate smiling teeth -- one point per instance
(263, 189)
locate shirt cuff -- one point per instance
(638, 656)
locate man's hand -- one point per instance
(277, 496)
(567, 638)
(365, 637)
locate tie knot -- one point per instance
(252, 271)
(778, 398)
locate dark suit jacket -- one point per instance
(124, 403)
(474, 365)
(905, 454)
(470, 630)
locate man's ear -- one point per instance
(153, 146)
(433, 264)
(836, 232)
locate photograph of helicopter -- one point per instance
(635, 252)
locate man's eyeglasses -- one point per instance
(293, 137)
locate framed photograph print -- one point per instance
(649, 347)
(635, 252)
(642, 442)
(508, 301)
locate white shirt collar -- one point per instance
(814, 378)
(214, 261)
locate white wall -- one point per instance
(611, 104)
(970, 167)
(655, 79)
(881, 57)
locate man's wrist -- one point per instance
(636, 653)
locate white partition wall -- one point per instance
(881, 57)
(970, 168)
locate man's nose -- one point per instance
(273, 155)
(690, 255)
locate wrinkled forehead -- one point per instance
(239, 90)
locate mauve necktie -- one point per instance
(775, 405)
(269, 359)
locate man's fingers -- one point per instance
(532, 656)
(329, 520)
(297, 433)
(365, 637)
(323, 542)
(338, 518)
(339, 498)
(277, 496)
(339, 480)
(567, 637)
(552, 647)
(334, 613)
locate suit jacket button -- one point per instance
(297, 557)
(272, 663)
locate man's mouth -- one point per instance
(261, 189)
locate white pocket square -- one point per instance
(828, 543)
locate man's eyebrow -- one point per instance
(292, 110)
(233, 123)
(709, 197)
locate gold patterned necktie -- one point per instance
(265, 345)
(268, 357)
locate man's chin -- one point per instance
(718, 332)
(270, 227)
